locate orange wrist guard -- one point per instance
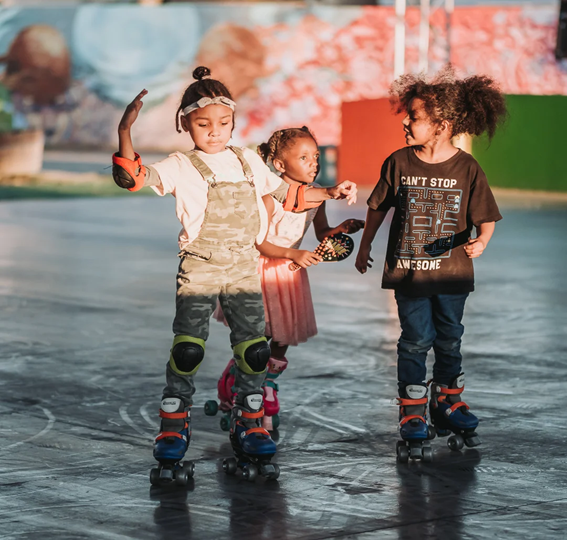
(295, 200)
(128, 174)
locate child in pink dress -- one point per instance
(290, 318)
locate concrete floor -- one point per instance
(86, 304)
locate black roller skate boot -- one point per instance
(251, 443)
(414, 430)
(172, 443)
(451, 415)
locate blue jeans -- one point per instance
(430, 321)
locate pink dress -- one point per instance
(290, 318)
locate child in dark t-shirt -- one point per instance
(439, 193)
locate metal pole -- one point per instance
(400, 38)
(424, 36)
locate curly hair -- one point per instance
(282, 140)
(473, 105)
(203, 87)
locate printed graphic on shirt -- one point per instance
(430, 224)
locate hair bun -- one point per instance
(201, 73)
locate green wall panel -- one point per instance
(530, 150)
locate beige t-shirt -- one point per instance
(178, 176)
(287, 229)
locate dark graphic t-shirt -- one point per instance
(436, 206)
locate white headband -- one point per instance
(204, 101)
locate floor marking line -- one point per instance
(324, 426)
(332, 420)
(126, 417)
(50, 421)
(147, 417)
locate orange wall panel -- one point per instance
(370, 133)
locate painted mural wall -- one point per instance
(72, 70)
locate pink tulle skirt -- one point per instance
(290, 318)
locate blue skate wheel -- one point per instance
(211, 407)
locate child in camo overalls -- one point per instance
(218, 191)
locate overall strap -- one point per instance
(245, 166)
(202, 167)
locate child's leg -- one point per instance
(417, 337)
(276, 365)
(243, 308)
(191, 329)
(448, 412)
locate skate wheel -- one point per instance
(181, 477)
(472, 440)
(249, 472)
(230, 466)
(402, 452)
(189, 468)
(431, 433)
(276, 421)
(154, 477)
(455, 442)
(271, 471)
(427, 454)
(211, 407)
(225, 422)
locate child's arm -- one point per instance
(476, 246)
(125, 146)
(374, 219)
(322, 228)
(127, 169)
(300, 256)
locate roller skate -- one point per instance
(253, 448)
(271, 419)
(414, 430)
(226, 396)
(172, 443)
(450, 415)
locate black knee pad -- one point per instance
(257, 356)
(187, 356)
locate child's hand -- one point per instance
(131, 112)
(474, 248)
(344, 190)
(350, 226)
(363, 260)
(305, 258)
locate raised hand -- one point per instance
(131, 112)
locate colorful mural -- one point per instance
(72, 70)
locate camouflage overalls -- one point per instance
(222, 262)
